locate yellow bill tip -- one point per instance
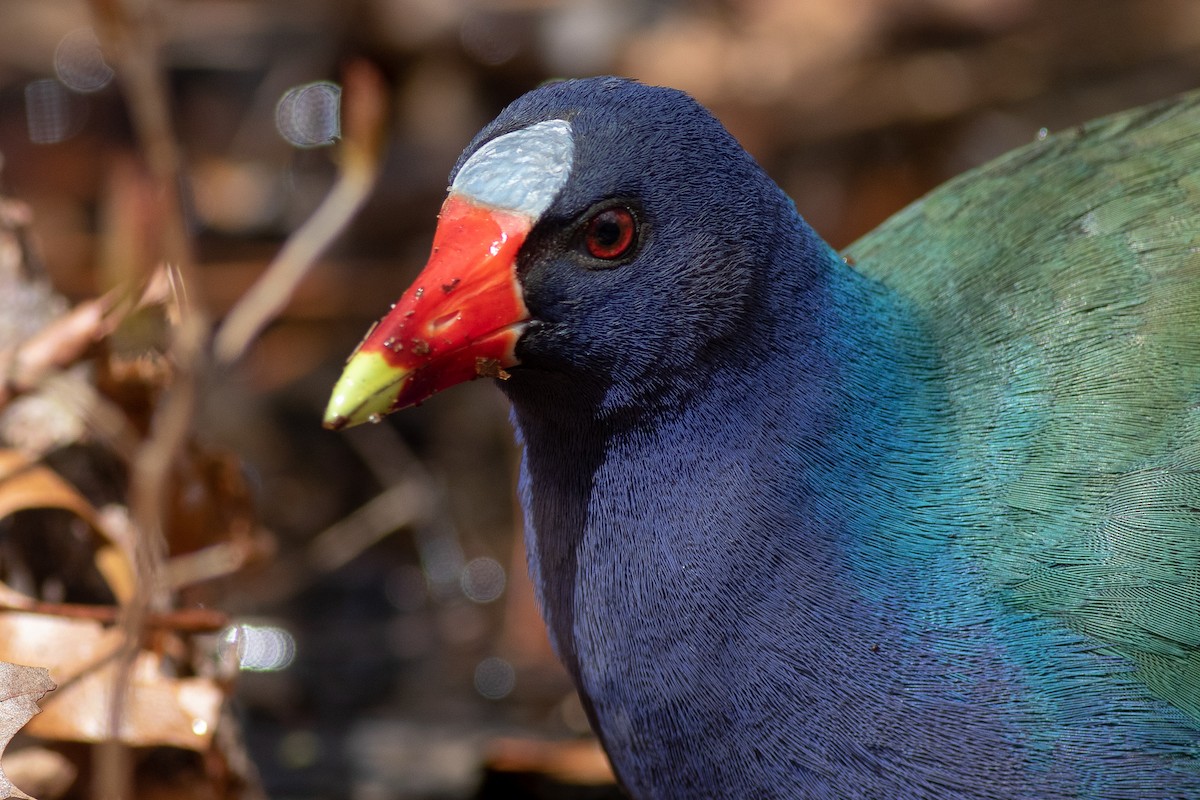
(366, 392)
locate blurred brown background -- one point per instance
(418, 656)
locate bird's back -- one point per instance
(1060, 286)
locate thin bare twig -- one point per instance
(184, 620)
(129, 29)
(364, 104)
(215, 561)
(65, 340)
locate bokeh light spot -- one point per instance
(489, 38)
(310, 115)
(49, 111)
(495, 678)
(262, 648)
(299, 749)
(483, 580)
(80, 64)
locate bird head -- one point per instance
(599, 231)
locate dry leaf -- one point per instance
(20, 689)
(59, 343)
(575, 762)
(27, 484)
(65, 339)
(46, 773)
(24, 484)
(160, 710)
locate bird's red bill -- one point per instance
(460, 320)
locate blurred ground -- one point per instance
(417, 652)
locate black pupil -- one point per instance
(607, 230)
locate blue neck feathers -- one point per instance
(803, 567)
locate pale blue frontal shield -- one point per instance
(520, 171)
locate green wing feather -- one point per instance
(1061, 287)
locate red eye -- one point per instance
(611, 233)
